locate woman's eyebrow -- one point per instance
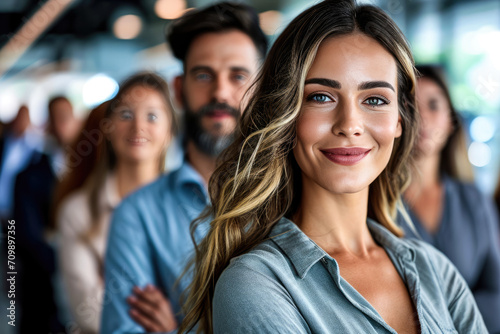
(324, 82)
(375, 84)
(362, 86)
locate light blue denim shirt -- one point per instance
(288, 284)
(149, 242)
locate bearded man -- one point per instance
(221, 48)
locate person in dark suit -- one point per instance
(32, 202)
(18, 142)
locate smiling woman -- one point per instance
(122, 148)
(140, 120)
(303, 236)
(349, 116)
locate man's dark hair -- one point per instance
(220, 17)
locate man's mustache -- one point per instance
(212, 108)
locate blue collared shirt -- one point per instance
(149, 243)
(288, 284)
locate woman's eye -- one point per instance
(152, 117)
(126, 114)
(375, 101)
(320, 98)
(433, 105)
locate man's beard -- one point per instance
(208, 143)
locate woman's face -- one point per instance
(435, 113)
(141, 121)
(349, 117)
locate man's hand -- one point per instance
(151, 310)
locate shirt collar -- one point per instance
(186, 174)
(304, 253)
(399, 246)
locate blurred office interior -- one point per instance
(84, 48)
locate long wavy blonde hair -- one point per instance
(257, 180)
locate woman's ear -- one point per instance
(107, 127)
(399, 128)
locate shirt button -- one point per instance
(324, 261)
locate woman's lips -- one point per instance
(346, 156)
(137, 140)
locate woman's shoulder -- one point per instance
(263, 266)
(421, 247)
(466, 197)
(254, 277)
(465, 190)
(74, 212)
(430, 259)
(251, 297)
(75, 202)
(265, 258)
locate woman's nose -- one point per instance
(348, 121)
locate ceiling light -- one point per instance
(170, 9)
(127, 26)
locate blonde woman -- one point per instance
(126, 150)
(303, 238)
(446, 208)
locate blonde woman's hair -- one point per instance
(258, 180)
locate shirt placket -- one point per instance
(413, 284)
(193, 201)
(333, 269)
(408, 271)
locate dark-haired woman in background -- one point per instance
(126, 150)
(448, 211)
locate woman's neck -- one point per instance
(336, 222)
(427, 175)
(131, 176)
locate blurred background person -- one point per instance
(133, 138)
(446, 208)
(32, 201)
(497, 195)
(18, 143)
(496, 198)
(86, 61)
(221, 48)
(87, 152)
